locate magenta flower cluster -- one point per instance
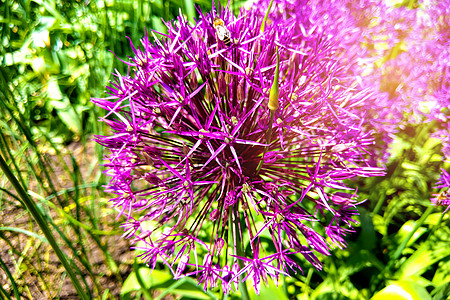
(213, 180)
(416, 73)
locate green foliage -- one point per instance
(162, 282)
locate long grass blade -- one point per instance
(43, 225)
(19, 230)
(11, 279)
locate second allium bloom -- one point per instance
(212, 182)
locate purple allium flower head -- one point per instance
(417, 77)
(214, 181)
(403, 54)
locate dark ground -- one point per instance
(36, 269)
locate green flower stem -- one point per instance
(240, 252)
(268, 138)
(145, 291)
(190, 9)
(243, 286)
(11, 279)
(411, 233)
(30, 205)
(224, 296)
(380, 202)
(171, 288)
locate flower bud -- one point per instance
(274, 91)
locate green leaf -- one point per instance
(407, 227)
(187, 287)
(410, 166)
(367, 238)
(422, 258)
(434, 219)
(379, 224)
(431, 143)
(163, 282)
(442, 291)
(150, 278)
(19, 230)
(323, 288)
(51, 9)
(158, 25)
(442, 273)
(270, 291)
(62, 105)
(402, 290)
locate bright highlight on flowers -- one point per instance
(204, 189)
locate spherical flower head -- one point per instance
(213, 182)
